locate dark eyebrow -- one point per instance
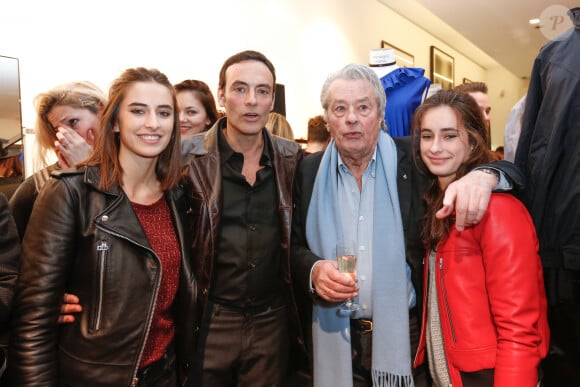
(141, 104)
(442, 129)
(242, 83)
(239, 83)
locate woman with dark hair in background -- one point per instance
(197, 109)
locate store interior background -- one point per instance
(64, 40)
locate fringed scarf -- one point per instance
(391, 359)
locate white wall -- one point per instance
(504, 90)
(64, 40)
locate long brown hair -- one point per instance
(106, 152)
(470, 117)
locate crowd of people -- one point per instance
(171, 245)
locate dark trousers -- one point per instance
(361, 343)
(242, 349)
(562, 365)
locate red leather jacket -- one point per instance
(491, 297)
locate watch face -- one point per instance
(490, 172)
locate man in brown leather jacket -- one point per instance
(239, 182)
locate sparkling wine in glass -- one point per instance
(346, 258)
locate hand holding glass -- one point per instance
(346, 258)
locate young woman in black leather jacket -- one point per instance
(111, 232)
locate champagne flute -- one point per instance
(346, 258)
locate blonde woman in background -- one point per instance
(279, 126)
(67, 122)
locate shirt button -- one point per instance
(105, 218)
(252, 227)
(361, 217)
(364, 306)
(363, 277)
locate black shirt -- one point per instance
(247, 265)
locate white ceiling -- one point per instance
(498, 29)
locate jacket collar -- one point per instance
(207, 142)
(92, 177)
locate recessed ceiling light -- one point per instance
(534, 21)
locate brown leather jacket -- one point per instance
(89, 242)
(203, 182)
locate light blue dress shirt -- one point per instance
(356, 211)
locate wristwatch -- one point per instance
(489, 171)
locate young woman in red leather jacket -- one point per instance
(484, 313)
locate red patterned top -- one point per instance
(159, 230)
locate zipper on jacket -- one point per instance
(423, 313)
(444, 295)
(134, 379)
(102, 248)
(149, 319)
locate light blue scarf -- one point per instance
(391, 359)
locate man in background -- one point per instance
(318, 135)
(478, 90)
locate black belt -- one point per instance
(247, 310)
(361, 325)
